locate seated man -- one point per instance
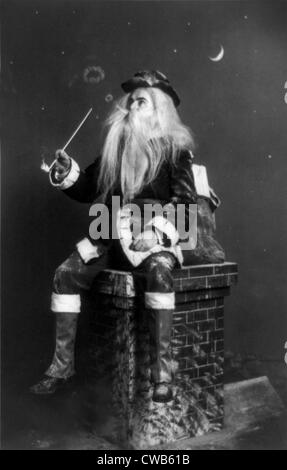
(146, 158)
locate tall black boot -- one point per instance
(62, 368)
(160, 324)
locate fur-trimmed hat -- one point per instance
(148, 79)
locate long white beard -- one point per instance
(132, 153)
(135, 162)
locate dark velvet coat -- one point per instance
(174, 184)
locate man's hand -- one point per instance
(62, 165)
(144, 241)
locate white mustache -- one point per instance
(127, 114)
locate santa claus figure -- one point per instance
(146, 159)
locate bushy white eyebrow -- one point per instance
(131, 100)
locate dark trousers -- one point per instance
(73, 276)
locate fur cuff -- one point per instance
(200, 180)
(87, 250)
(65, 303)
(70, 179)
(163, 225)
(160, 300)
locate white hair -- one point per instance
(134, 149)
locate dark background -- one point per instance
(235, 107)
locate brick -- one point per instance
(215, 313)
(204, 337)
(213, 357)
(191, 364)
(208, 368)
(203, 270)
(200, 315)
(226, 268)
(196, 361)
(218, 281)
(198, 350)
(219, 323)
(189, 372)
(218, 369)
(177, 284)
(209, 389)
(206, 294)
(233, 278)
(186, 307)
(194, 283)
(180, 298)
(204, 304)
(179, 329)
(184, 297)
(190, 327)
(194, 337)
(183, 352)
(216, 335)
(220, 358)
(208, 347)
(205, 325)
(181, 363)
(219, 346)
(208, 380)
(218, 379)
(179, 341)
(179, 318)
(210, 402)
(202, 382)
(190, 317)
(180, 273)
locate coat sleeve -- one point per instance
(80, 185)
(182, 184)
(182, 191)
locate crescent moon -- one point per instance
(219, 55)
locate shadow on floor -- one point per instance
(68, 421)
